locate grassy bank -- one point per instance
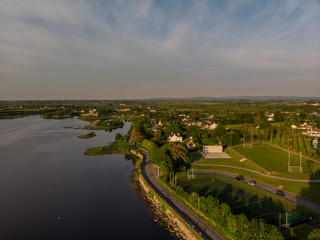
(115, 147)
(89, 135)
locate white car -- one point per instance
(252, 182)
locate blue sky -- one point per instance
(76, 49)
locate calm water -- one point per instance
(44, 175)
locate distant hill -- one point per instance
(262, 98)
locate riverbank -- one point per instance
(162, 212)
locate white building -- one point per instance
(175, 138)
(270, 117)
(212, 149)
(314, 143)
(312, 132)
(214, 152)
(212, 126)
(191, 144)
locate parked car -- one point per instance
(252, 182)
(280, 193)
(240, 178)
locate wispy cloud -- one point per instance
(195, 47)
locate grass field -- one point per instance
(297, 233)
(276, 159)
(310, 191)
(241, 197)
(298, 144)
(235, 160)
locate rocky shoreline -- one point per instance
(162, 215)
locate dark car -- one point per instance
(280, 193)
(240, 178)
(252, 182)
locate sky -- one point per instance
(101, 49)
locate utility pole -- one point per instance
(279, 220)
(300, 162)
(244, 140)
(289, 168)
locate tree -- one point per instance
(118, 136)
(179, 155)
(314, 234)
(137, 135)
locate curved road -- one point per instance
(288, 196)
(262, 174)
(150, 174)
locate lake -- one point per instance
(45, 176)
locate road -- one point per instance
(262, 174)
(150, 174)
(288, 196)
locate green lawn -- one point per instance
(195, 156)
(241, 197)
(297, 233)
(310, 191)
(276, 159)
(233, 161)
(298, 144)
(89, 135)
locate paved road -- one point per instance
(288, 196)
(262, 174)
(150, 174)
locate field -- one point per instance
(298, 144)
(276, 159)
(241, 197)
(235, 160)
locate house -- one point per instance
(312, 132)
(92, 113)
(175, 138)
(191, 144)
(212, 126)
(294, 126)
(314, 143)
(270, 117)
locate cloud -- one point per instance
(108, 45)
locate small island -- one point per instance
(107, 125)
(119, 146)
(86, 136)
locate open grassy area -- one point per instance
(310, 191)
(115, 147)
(195, 156)
(297, 144)
(241, 197)
(235, 160)
(297, 233)
(276, 159)
(89, 135)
